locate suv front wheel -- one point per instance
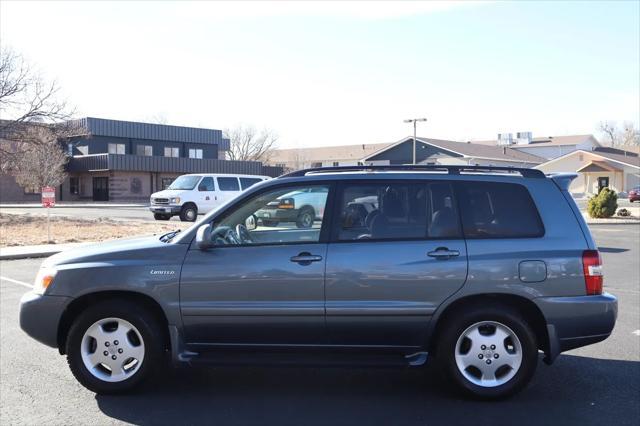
(112, 346)
(488, 353)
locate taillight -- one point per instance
(592, 267)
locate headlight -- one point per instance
(175, 200)
(44, 279)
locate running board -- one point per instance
(316, 359)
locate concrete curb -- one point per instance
(33, 252)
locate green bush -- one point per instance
(603, 205)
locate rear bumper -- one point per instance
(577, 321)
(162, 209)
(40, 316)
(278, 215)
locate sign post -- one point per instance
(48, 201)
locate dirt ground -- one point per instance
(22, 230)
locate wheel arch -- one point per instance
(78, 305)
(527, 308)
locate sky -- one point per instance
(336, 73)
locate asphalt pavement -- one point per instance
(595, 385)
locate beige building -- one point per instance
(616, 169)
(326, 156)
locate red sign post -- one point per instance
(48, 201)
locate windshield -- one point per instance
(185, 182)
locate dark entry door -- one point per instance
(603, 182)
(100, 189)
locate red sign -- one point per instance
(48, 196)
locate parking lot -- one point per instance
(598, 384)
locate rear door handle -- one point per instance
(443, 253)
(306, 258)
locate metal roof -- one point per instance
(160, 132)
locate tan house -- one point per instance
(616, 169)
(326, 156)
(547, 147)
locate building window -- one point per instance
(336, 164)
(146, 150)
(84, 150)
(195, 153)
(165, 182)
(116, 148)
(171, 152)
(31, 190)
(283, 165)
(74, 185)
(319, 164)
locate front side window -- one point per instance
(228, 184)
(396, 211)
(498, 210)
(206, 184)
(195, 153)
(185, 182)
(116, 148)
(279, 216)
(171, 152)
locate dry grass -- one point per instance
(22, 230)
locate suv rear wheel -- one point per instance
(112, 346)
(489, 353)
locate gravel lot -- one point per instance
(596, 385)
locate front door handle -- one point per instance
(306, 258)
(443, 253)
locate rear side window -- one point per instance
(247, 182)
(498, 210)
(228, 184)
(396, 211)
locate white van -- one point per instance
(190, 195)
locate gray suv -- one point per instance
(476, 269)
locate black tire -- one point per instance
(160, 216)
(146, 324)
(271, 223)
(305, 218)
(457, 324)
(189, 213)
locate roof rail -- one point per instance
(453, 170)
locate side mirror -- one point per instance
(251, 223)
(203, 237)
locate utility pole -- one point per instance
(414, 121)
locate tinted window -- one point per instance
(247, 182)
(228, 184)
(398, 211)
(272, 222)
(498, 210)
(206, 184)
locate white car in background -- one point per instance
(194, 194)
(302, 207)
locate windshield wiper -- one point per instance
(169, 235)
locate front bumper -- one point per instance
(577, 321)
(164, 209)
(40, 316)
(278, 215)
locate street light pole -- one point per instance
(414, 121)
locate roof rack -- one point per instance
(452, 170)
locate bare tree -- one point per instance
(248, 144)
(630, 135)
(43, 160)
(25, 96)
(608, 129)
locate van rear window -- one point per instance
(228, 184)
(498, 210)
